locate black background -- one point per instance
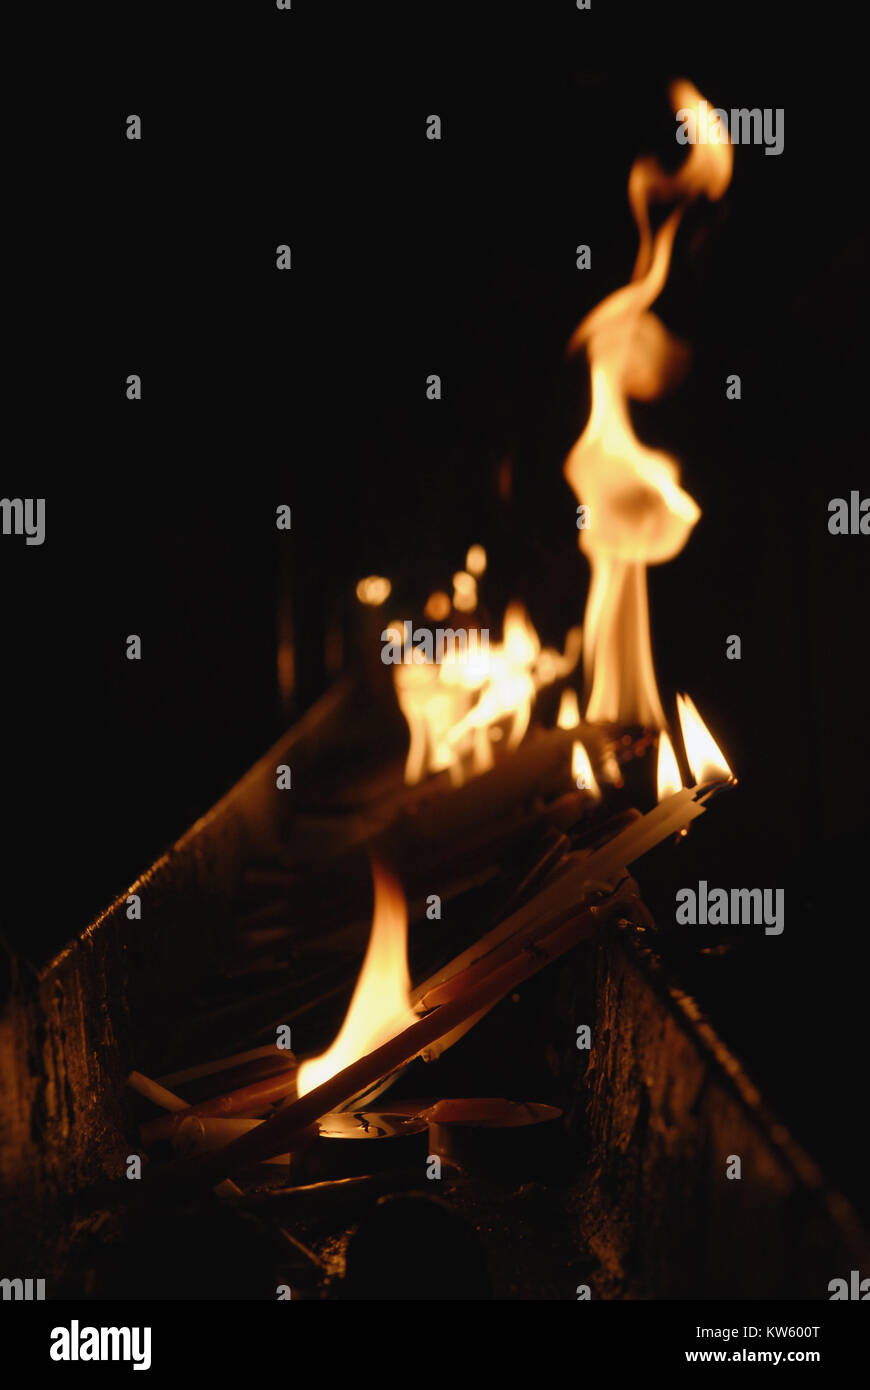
(308, 388)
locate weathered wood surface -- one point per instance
(664, 1104)
(71, 1031)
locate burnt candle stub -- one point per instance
(495, 1135)
(364, 1141)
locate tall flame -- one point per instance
(638, 513)
(379, 1008)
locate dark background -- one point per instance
(308, 388)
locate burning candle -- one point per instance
(554, 922)
(668, 779)
(379, 1008)
(703, 753)
(581, 771)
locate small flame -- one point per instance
(569, 711)
(475, 560)
(380, 1005)
(374, 590)
(638, 515)
(464, 592)
(437, 606)
(704, 756)
(668, 771)
(581, 770)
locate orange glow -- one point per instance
(455, 710)
(437, 606)
(431, 710)
(379, 1008)
(505, 479)
(464, 592)
(504, 677)
(581, 770)
(475, 560)
(374, 590)
(704, 756)
(552, 665)
(638, 515)
(569, 711)
(465, 603)
(668, 772)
